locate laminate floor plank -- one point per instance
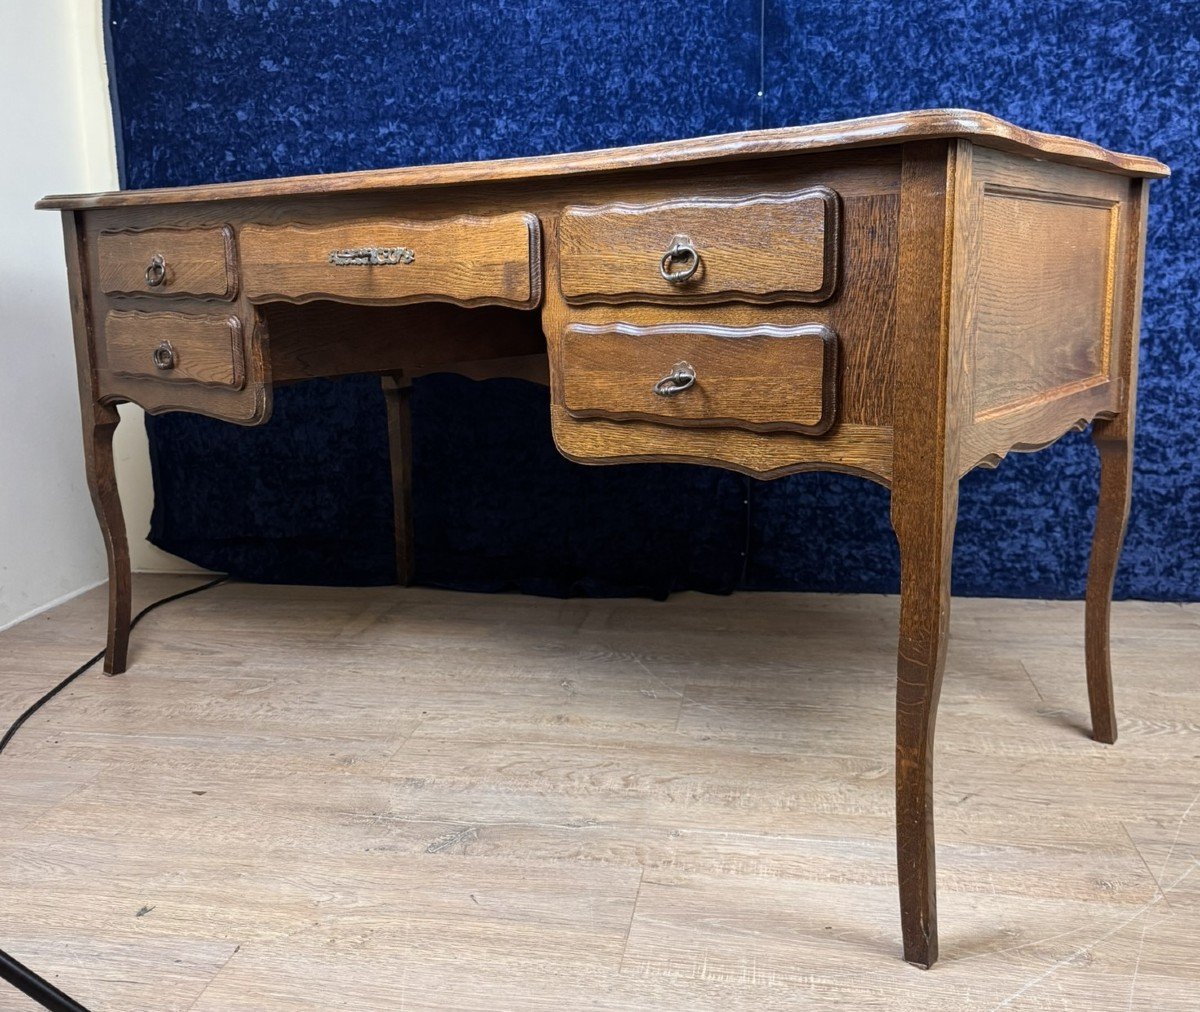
(308, 798)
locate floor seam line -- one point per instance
(220, 970)
(632, 916)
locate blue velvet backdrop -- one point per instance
(251, 88)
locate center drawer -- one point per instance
(469, 261)
(765, 379)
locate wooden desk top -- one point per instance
(869, 131)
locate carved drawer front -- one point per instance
(770, 248)
(168, 261)
(176, 347)
(469, 261)
(765, 379)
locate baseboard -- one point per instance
(52, 604)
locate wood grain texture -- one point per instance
(866, 181)
(1043, 302)
(197, 261)
(466, 260)
(761, 248)
(864, 451)
(205, 349)
(244, 400)
(1038, 276)
(99, 424)
(226, 375)
(869, 131)
(862, 316)
(323, 797)
(765, 379)
(1114, 442)
(924, 508)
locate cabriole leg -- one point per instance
(1114, 441)
(924, 526)
(100, 422)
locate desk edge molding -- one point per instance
(870, 131)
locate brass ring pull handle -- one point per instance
(164, 356)
(682, 376)
(681, 252)
(156, 272)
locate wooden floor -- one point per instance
(308, 799)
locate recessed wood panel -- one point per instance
(203, 349)
(187, 262)
(760, 378)
(469, 261)
(1044, 296)
(759, 249)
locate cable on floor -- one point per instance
(37, 988)
(16, 725)
(19, 976)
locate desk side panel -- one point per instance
(1039, 271)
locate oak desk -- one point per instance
(903, 297)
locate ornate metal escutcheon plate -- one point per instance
(372, 256)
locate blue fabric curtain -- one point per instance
(252, 88)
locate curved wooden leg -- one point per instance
(924, 525)
(1114, 441)
(930, 374)
(98, 429)
(397, 393)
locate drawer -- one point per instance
(176, 347)
(766, 379)
(469, 261)
(778, 247)
(168, 261)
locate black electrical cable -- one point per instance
(40, 990)
(19, 976)
(16, 725)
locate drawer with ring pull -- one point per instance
(205, 349)
(195, 262)
(769, 248)
(764, 378)
(469, 261)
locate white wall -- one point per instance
(57, 135)
(132, 451)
